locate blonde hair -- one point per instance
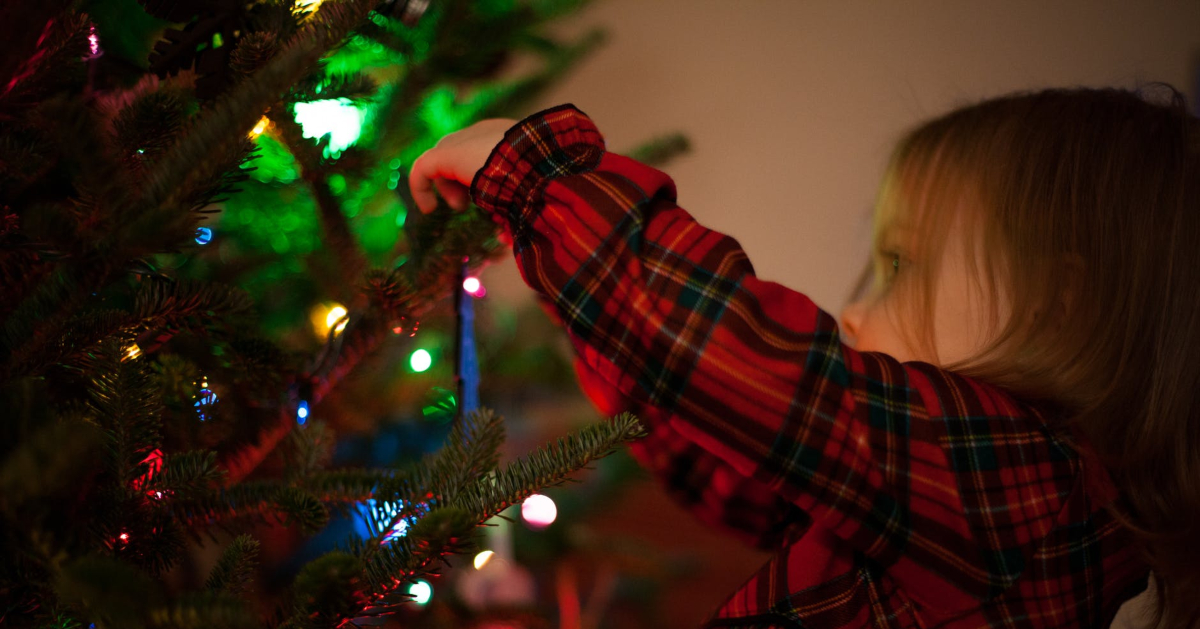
(1086, 203)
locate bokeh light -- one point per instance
(334, 318)
(474, 287)
(420, 361)
(421, 592)
(539, 511)
(326, 317)
(482, 559)
(203, 235)
(262, 125)
(337, 118)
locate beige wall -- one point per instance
(792, 105)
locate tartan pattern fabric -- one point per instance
(896, 495)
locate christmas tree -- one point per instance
(171, 223)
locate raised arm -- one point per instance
(945, 481)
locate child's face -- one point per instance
(960, 319)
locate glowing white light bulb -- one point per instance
(539, 511)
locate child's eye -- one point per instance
(892, 260)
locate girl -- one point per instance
(1001, 432)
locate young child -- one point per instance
(1002, 432)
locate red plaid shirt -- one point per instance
(896, 494)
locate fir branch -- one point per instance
(548, 466)
(78, 337)
(235, 568)
(154, 539)
(253, 51)
(24, 161)
(187, 474)
(160, 303)
(410, 292)
(471, 451)
(308, 451)
(346, 486)
(443, 531)
(260, 501)
(144, 129)
(103, 187)
(36, 323)
(348, 257)
(125, 403)
(357, 87)
(108, 591)
(58, 44)
(244, 105)
(448, 526)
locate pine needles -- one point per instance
(139, 403)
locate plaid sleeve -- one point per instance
(944, 481)
(696, 479)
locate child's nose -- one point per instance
(850, 321)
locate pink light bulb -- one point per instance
(539, 511)
(474, 287)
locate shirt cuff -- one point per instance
(552, 143)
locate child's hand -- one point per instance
(453, 162)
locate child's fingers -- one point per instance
(420, 182)
(452, 163)
(436, 167)
(455, 194)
